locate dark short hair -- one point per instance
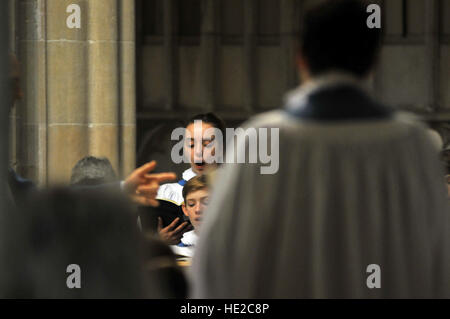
(209, 118)
(335, 36)
(92, 170)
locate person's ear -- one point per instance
(447, 178)
(183, 207)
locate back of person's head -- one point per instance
(209, 118)
(92, 170)
(335, 37)
(93, 230)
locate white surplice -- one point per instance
(347, 195)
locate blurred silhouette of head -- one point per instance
(94, 230)
(92, 170)
(335, 37)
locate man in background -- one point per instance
(358, 206)
(91, 170)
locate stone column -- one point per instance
(5, 104)
(12, 113)
(79, 86)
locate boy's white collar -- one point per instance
(188, 174)
(189, 238)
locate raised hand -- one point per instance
(142, 187)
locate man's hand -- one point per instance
(171, 235)
(143, 187)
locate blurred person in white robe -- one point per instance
(358, 207)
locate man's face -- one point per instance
(195, 204)
(199, 146)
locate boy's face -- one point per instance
(195, 204)
(199, 147)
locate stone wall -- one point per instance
(79, 86)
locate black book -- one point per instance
(168, 211)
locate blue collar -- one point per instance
(183, 245)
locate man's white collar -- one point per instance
(189, 238)
(299, 95)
